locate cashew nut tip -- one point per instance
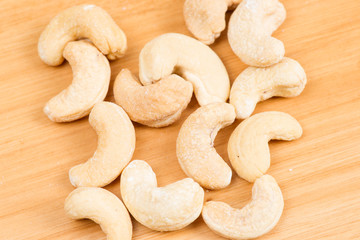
(255, 219)
(166, 208)
(205, 19)
(116, 144)
(83, 21)
(155, 105)
(248, 147)
(102, 207)
(250, 29)
(189, 58)
(284, 79)
(195, 145)
(91, 77)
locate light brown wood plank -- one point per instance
(319, 174)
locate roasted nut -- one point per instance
(250, 29)
(116, 146)
(194, 61)
(166, 208)
(102, 207)
(248, 147)
(91, 77)
(156, 105)
(195, 145)
(205, 19)
(83, 21)
(255, 219)
(284, 79)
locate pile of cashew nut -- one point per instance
(171, 67)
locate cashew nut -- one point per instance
(166, 208)
(102, 207)
(195, 145)
(250, 29)
(205, 19)
(255, 219)
(155, 105)
(191, 59)
(91, 71)
(248, 145)
(285, 79)
(83, 21)
(116, 146)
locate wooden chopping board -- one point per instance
(319, 174)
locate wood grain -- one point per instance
(319, 174)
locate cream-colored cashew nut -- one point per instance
(91, 77)
(195, 145)
(255, 219)
(115, 148)
(83, 21)
(205, 19)
(102, 207)
(248, 147)
(191, 59)
(250, 29)
(155, 105)
(166, 208)
(284, 79)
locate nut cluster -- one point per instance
(171, 67)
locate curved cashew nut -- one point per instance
(116, 146)
(83, 21)
(166, 208)
(91, 71)
(250, 29)
(195, 145)
(284, 79)
(156, 105)
(194, 61)
(255, 219)
(205, 19)
(248, 145)
(102, 207)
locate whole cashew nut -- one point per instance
(83, 21)
(195, 145)
(166, 208)
(255, 219)
(191, 59)
(155, 105)
(285, 79)
(102, 207)
(91, 77)
(248, 148)
(205, 19)
(250, 29)
(116, 146)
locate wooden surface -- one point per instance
(319, 174)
